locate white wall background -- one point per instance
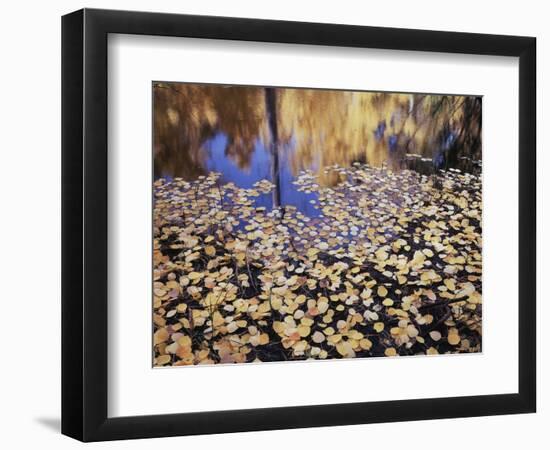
(30, 192)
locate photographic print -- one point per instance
(296, 224)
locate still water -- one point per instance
(248, 134)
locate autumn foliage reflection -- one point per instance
(318, 128)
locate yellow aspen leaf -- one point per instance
(217, 319)
(430, 294)
(232, 327)
(300, 346)
(435, 335)
(172, 348)
(345, 349)
(160, 336)
(276, 303)
(428, 252)
(428, 275)
(381, 254)
(365, 344)
(278, 327)
(184, 341)
(318, 337)
(162, 360)
(356, 335)
(412, 331)
(382, 291)
(453, 338)
(303, 330)
(450, 283)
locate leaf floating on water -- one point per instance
(381, 254)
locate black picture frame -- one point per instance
(84, 224)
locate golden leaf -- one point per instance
(382, 291)
(435, 335)
(160, 336)
(318, 337)
(365, 344)
(453, 338)
(162, 360)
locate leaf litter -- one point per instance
(391, 266)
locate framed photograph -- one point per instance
(273, 225)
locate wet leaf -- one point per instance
(160, 336)
(162, 360)
(382, 291)
(367, 271)
(435, 335)
(365, 344)
(318, 337)
(453, 338)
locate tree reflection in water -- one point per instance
(315, 128)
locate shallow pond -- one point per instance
(249, 134)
